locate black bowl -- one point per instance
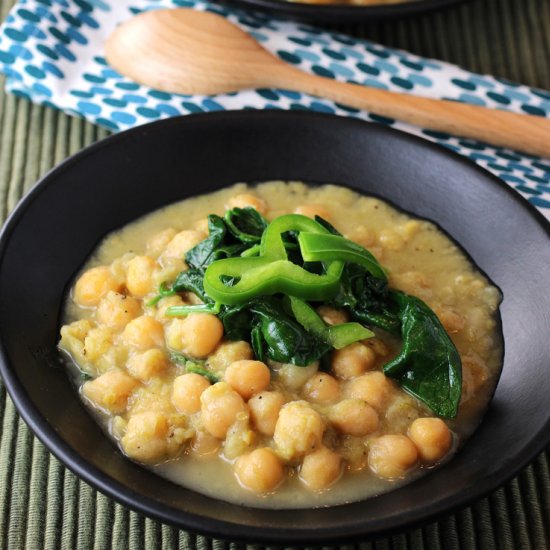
(341, 13)
(57, 225)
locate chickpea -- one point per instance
(78, 329)
(378, 346)
(169, 269)
(155, 396)
(412, 282)
(391, 240)
(146, 436)
(247, 377)
(205, 445)
(320, 469)
(264, 411)
(332, 316)
(322, 388)
(94, 284)
(164, 303)
(119, 266)
(196, 335)
(432, 438)
(116, 310)
(451, 320)
(391, 456)
(293, 377)
(139, 277)
(182, 243)
(158, 242)
(72, 341)
(245, 199)
(365, 236)
(110, 391)
(118, 427)
(401, 411)
(409, 229)
(229, 352)
(312, 210)
(259, 471)
(143, 333)
(97, 343)
(173, 332)
(352, 361)
(372, 387)
(115, 357)
(179, 434)
(354, 417)
(239, 438)
(187, 391)
(354, 451)
(148, 364)
(298, 431)
(220, 406)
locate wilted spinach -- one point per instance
(272, 331)
(245, 224)
(367, 299)
(191, 280)
(428, 365)
(209, 249)
(223, 241)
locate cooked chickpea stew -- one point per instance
(235, 378)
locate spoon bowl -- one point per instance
(191, 52)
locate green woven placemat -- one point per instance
(43, 506)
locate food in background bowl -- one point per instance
(271, 359)
(353, 2)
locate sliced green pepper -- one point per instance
(271, 271)
(316, 247)
(338, 336)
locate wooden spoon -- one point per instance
(191, 52)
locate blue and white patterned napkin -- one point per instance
(52, 53)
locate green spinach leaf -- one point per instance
(245, 224)
(204, 253)
(192, 280)
(272, 331)
(429, 365)
(366, 298)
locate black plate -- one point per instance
(338, 13)
(111, 183)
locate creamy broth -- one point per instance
(420, 260)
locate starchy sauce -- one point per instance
(286, 436)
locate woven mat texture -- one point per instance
(43, 506)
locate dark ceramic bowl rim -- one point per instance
(344, 13)
(218, 527)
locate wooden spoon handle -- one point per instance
(527, 133)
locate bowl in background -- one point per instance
(342, 13)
